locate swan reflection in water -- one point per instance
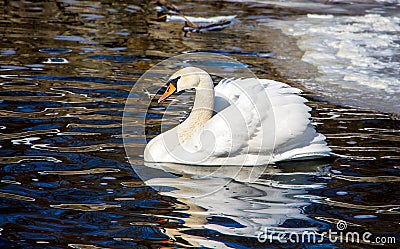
(280, 194)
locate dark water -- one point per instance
(66, 69)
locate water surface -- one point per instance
(66, 69)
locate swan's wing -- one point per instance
(258, 117)
(290, 114)
(295, 136)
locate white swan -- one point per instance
(257, 121)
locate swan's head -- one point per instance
(186, 78)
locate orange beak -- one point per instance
(170, 90)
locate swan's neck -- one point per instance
(202, 109)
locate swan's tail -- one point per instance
(317, 148)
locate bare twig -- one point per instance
(171, 6)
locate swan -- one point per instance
(245, 122)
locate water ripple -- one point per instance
(79, 172)
(367, 179)
(384, 209)
(86, 246)
(16, 197)
(85, 206)
(77, 149)
(20, 159)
